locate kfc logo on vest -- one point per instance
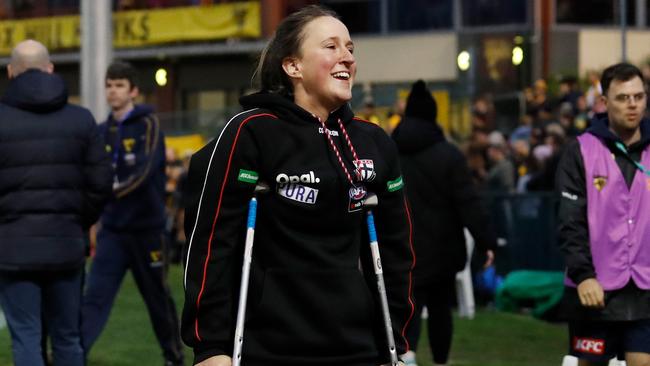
(589, 345)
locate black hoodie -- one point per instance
(309, 304)
(440, 189)
(54, 175)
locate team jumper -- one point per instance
(309, 303)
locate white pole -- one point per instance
(96, 54)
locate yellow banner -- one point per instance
(142, 27)
(185, 144)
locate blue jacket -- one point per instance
(137, 148)
(54, 175)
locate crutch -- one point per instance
(369, 202)
(245, 273)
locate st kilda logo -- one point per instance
(365, 169)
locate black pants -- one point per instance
(143, 254)
(438, 296)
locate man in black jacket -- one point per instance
(54, 180)
(443, 200)
(603, 230)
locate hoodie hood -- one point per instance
(418, 129)
(138, 111)
(414, 134)
(36, 91)
(287, 110)
(600, 128)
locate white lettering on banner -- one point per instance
(297, 192)
(587, 345)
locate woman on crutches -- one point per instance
(309, 300)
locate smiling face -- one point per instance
(323, 73)
(626, 102)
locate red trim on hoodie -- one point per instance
(410, 292)
(363, 120)
(216, 215)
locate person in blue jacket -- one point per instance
(54, 180)
(132, 226)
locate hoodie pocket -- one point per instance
(313, 313)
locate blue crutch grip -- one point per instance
(252, 212)
(371, 227)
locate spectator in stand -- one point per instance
(581, 121)
(569, 92)
(396, 114)
(523, 131)
(175, 171)
(540, 96)
(526, 164)
(567, 120)
(444, 201)
(548, 158)
(520, 152)
(595, 90)
(476, 152)
(545, 116)
(483, 113)
(501, 174)
(54, 180)
(369, 114)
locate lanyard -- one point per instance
(621, 147)
(338, 154)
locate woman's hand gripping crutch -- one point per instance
(370, 202)
(245, 273)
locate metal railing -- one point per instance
(527, 227)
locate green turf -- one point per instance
(491, 339)
(501, 339)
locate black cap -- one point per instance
(420, 103)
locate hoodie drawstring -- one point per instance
(338, 154)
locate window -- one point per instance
(596, 12)
(360, 16)
(420, 14)
(494, 12)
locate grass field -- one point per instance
(491, 339)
